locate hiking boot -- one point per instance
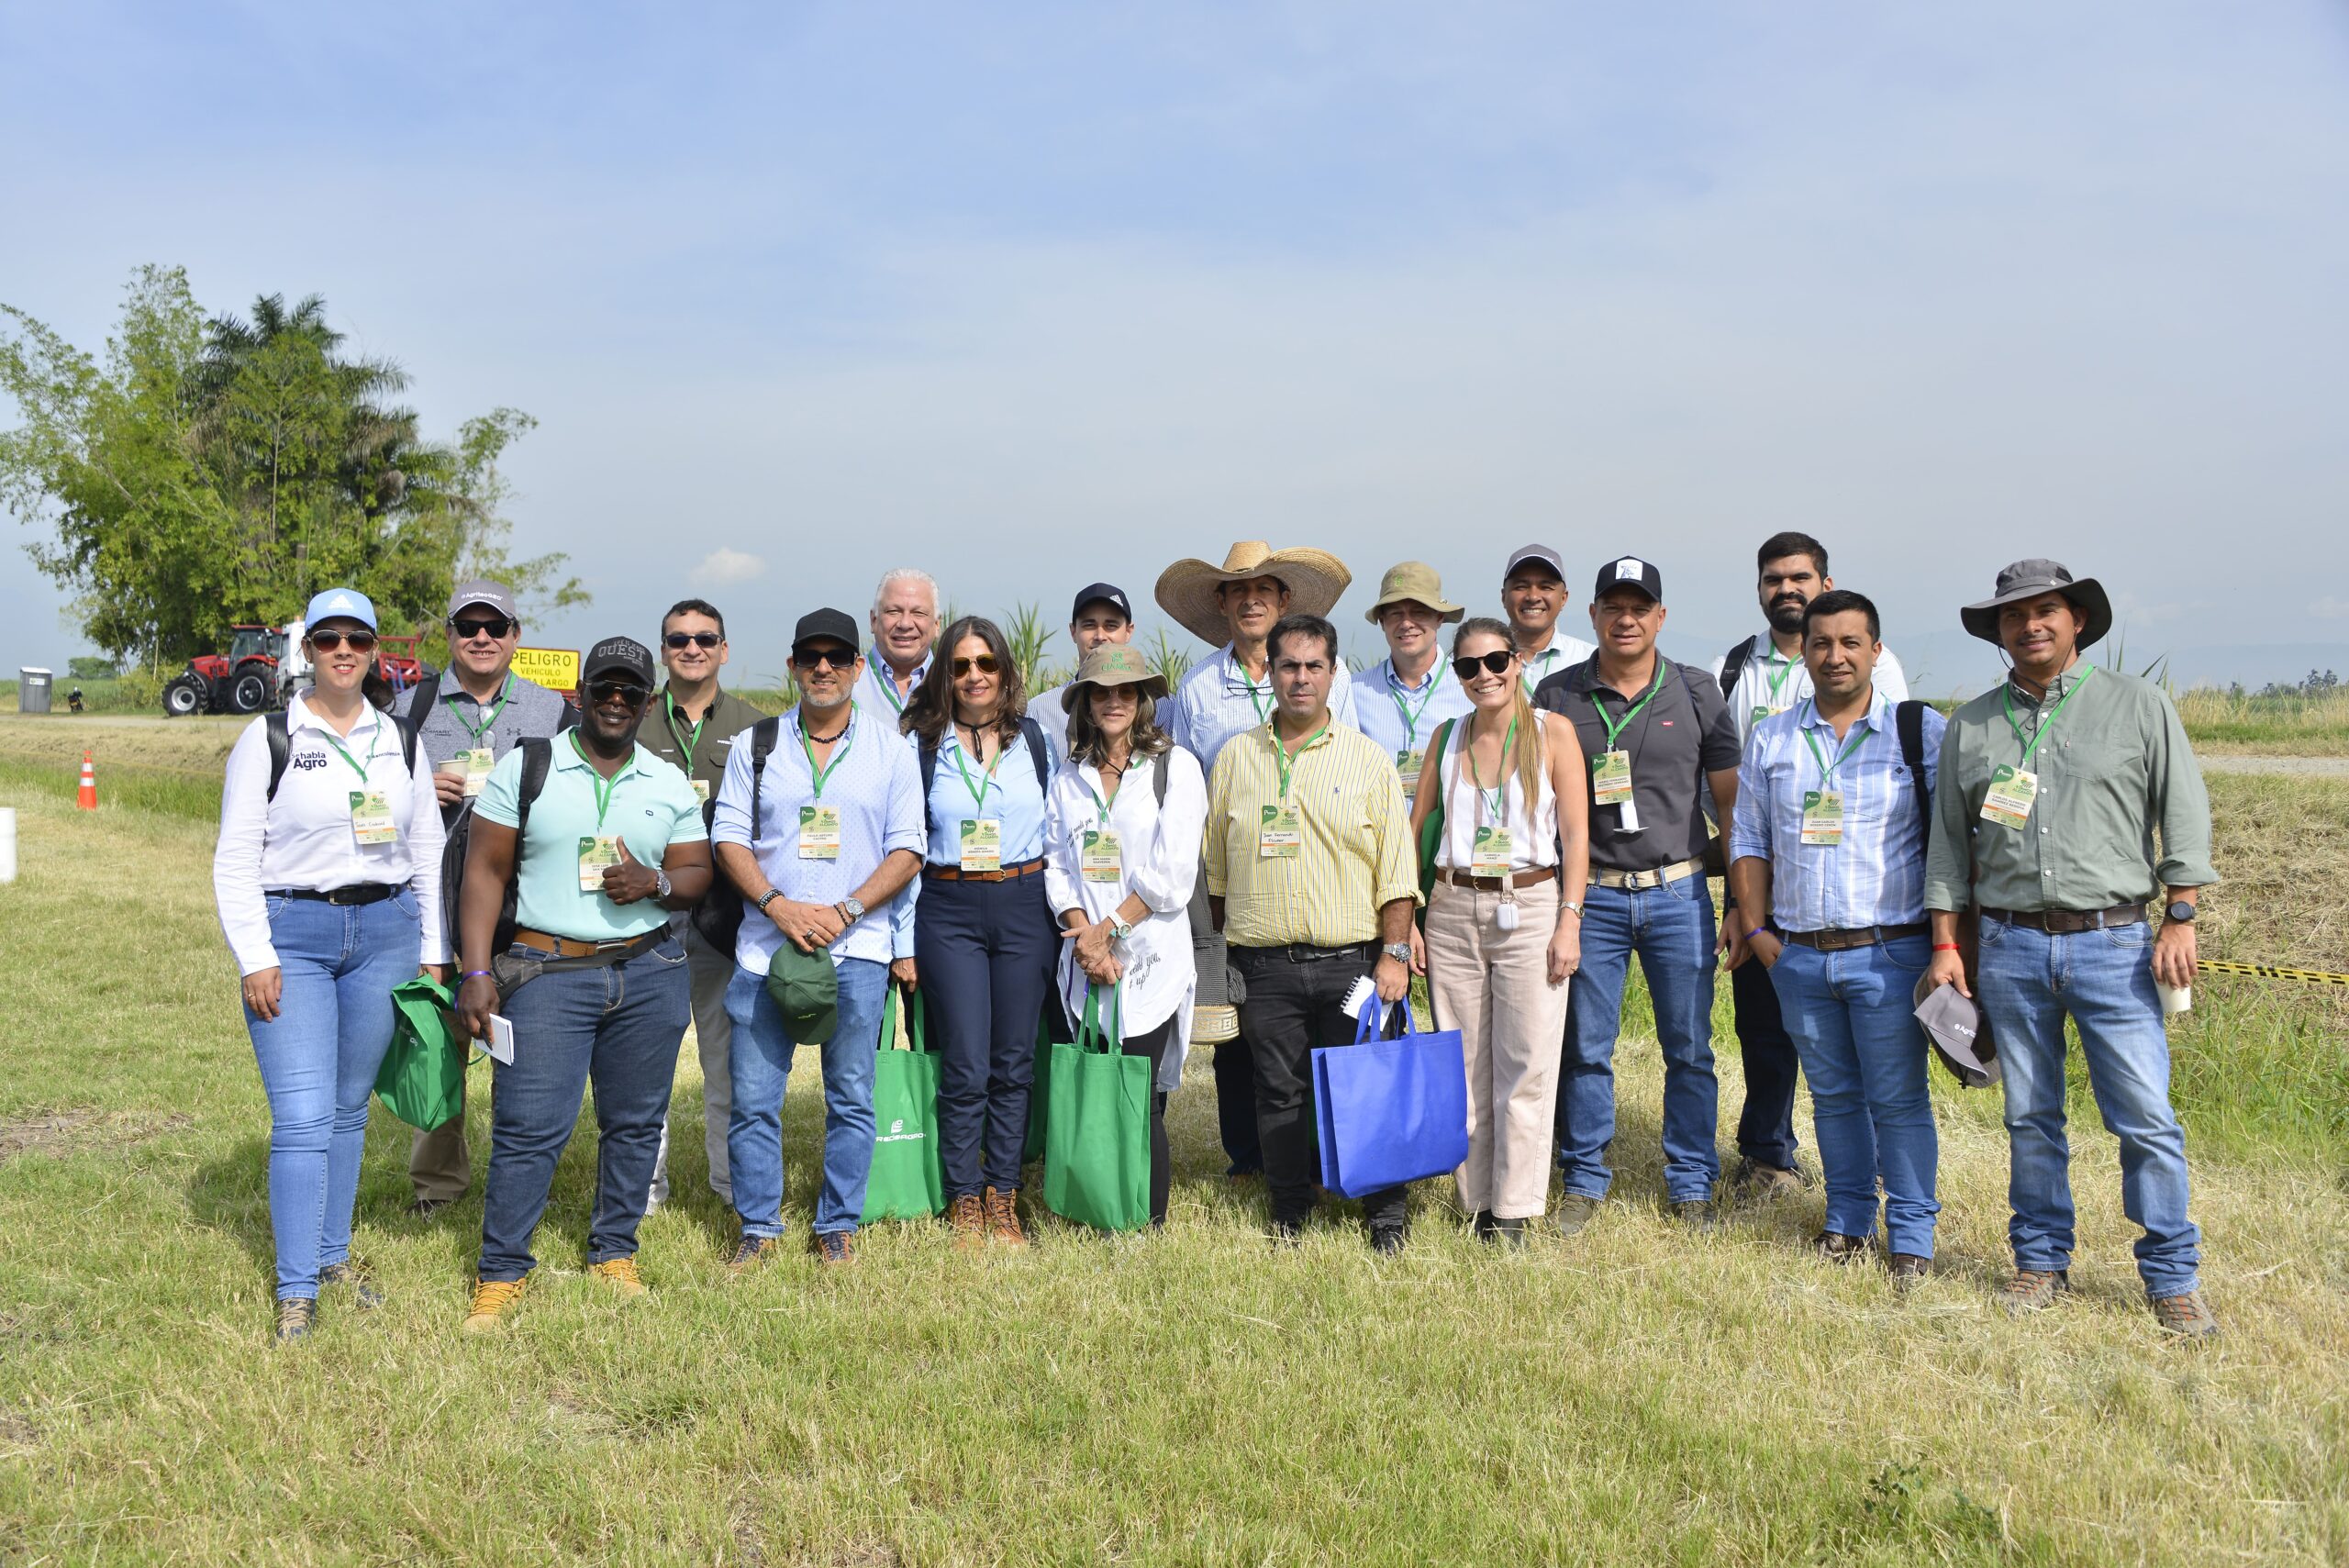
(621, 1275)
(2187, 1317)
(493, 1298)
(835, 1246)
(1910, 1271)
(295, 1317)
(1574, 1211)
(1835, 1247)
(1003, 1218)
(1509, 1233)
(968, 1218)
(2034, 1290)
(1287, 1232)
(426, 1208)
(1387, 1240)
(366, 1294)
(1697, 1213)
(1481, 1226)
(1757, 1183)
(749, 1253)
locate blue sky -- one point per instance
(1031, 295)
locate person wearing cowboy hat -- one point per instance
(1405, 696)
(2052, 789)
(1228, 693)
(1122, 827)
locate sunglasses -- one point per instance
(695, 639)
(1467, 664)
(984, 663)
(327, 641)
(822, 659)
(467, 631)
(629, 691)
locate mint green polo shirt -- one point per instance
(651, 806)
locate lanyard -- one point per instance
(1617, 726)
(979, 790)
(505, 696)
(691, 743)
(1256, 694)
(2008, 694)
(1100, 804)
(1477, 775)
(826, 771)
(1778, 680)
(1533, 677)
(1288, 759)
(886, 680)
(356, 766)
(1826, 768)
(1411, 716)
(601, 786)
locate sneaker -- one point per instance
(749, 1253)
(1910, 1271)
(1835, 1247)
(1757, 1183)
(366, 1294)
(1003, 1218)
(294, 1315)
(2187, 1317)
(426, 1208)
(621, 1275)
(967, 1216)
(493, 1298)
(1574, 1211)
(1697, 1213)
(834, 1246)
(2034, 1290)
(1387, 1240)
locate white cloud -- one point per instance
(2332, 606)
(722, 566)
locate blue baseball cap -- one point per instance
(348, 603)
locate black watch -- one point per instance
(2180, 913)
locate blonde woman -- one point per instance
(1503, 935)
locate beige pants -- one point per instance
(1493, 987)
(714, 1043)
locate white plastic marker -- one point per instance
(500, 1044)
(7, 843)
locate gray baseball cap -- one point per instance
(481, 591)
(1960, 1034)
(1554, 559)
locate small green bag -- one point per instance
(1096, 1158)
(905, 1182)
(422, 1081)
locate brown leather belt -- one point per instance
(956, 873)
(566, 947)
(2060, 922)
(1857, 937)
(1526, 878)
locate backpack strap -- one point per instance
(538, 759)
(763, 735)
(1909, 722)
(1734, 665)
(281, 747)
(1033, 733)
(928, 770)
(420, 706)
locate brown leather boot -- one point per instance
(967, 1216)
(1003, 1218)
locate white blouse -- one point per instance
(304, 837)
(1158, 859)
(1532, 827)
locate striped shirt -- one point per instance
(1356, 854)
(1216, 702)
(877, 689)
(1877, 875)
(1768, 681)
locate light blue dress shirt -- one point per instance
(876, 694)
(1011, 795)
(1217, 701)
(1401, 718)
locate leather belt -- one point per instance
(1306, 952)
(2059, 922)
(1657, 878)
(1526, 878)
(566, 947)
(357, 893)
(1856, 937)
(956, 873)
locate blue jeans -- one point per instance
(2104, 979)
(986, 951)
(318, 1059)
(1671, 928)
(761, 1058)
(619, 1026)
(1852, 1018)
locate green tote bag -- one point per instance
(905, 1182)
(1096, 1142)
(422, 1081)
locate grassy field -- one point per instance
(1631, 1394)
(2222, 724)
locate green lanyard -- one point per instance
(505, 696)
(1826, 768)
(1617, 726)
(1778, 680)
(979, 790)
(820, 775)
(887, 681)
(1288, 759)
(1492, 797)
(356, 766)
(1411, 717)
(1530, 680)
(1256, 694)
(2008, 694)
(601, 786)
(691, 743)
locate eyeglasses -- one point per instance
(1467, 664)
(327, 641)
(629, 691)
(985, 664)
(822, 659)
(467, 631)
(696, 639)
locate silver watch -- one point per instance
(853, 908)
(1400, 951)
(660, 883)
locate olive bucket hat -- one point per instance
(1412, 581)
(2029, 579)
(807, 989)
(1113, 664)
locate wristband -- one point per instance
(1947, 947)
(474, 975)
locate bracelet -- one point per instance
(1947, 947)
(475, 974)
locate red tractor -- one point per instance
(256, 672)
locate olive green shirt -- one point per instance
(2115, 769)
(703, 760)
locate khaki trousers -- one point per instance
(714, 1043)
(1493, 987)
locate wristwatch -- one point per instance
(2180, 913)
(1400, 951)
(660, 883)
(1119, 930)
(1574, 905)
(852, 908)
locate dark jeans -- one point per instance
(618, 1025)
(1152, 1043)
(1765, 1128)
(986, 951)
(1235, 1104)
(1294, 1003)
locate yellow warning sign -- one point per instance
(553, 667)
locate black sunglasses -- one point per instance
(629, 691)
(984, 663)
(467, 631)
(699, 639)
(327, 641)
(823, 658)
(1467, 664)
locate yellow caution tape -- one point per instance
(2272, 971)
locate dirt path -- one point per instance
(2334, 767)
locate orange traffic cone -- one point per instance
(88, 800)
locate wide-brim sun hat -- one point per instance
(1413, 582)
(1185, 591)
(1113, 664)
(2027, 580)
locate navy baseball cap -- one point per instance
(1629, 571)
(1101, 594)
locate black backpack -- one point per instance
(538, 758)
(281, 747)
(719, 916)
(1734, 666)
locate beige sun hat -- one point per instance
(1315, 579)
(1113, 664)
(1414, 580)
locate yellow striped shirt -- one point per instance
(1356, 856)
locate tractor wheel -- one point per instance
(249, 693)
(186, 695)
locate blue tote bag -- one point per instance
(1390, 1111)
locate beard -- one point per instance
(1787, 616)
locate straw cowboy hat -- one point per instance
(2027, 580)
(1186, 589)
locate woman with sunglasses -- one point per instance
(327, 873)
(984, 943)
(1503, 933)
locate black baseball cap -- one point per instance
(619, 656)
(1629, 571)
(826, 624)
(1101, 594)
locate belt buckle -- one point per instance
(1641, 881)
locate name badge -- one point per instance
(479, 761)
(371, 817)
(819, 832)
(1763, 712)
(701, 791)
(1281, 835)
(982, 844)
(1097, 855)
(596, 853)
(1610, 777)
(1823, 816)
(1490, 852)
(2008, 801)
(1408, 764)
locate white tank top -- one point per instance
(1532, 828)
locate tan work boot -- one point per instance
(968, 1219)
(493, 1298)
(621, 1275)
(1003, 1218)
